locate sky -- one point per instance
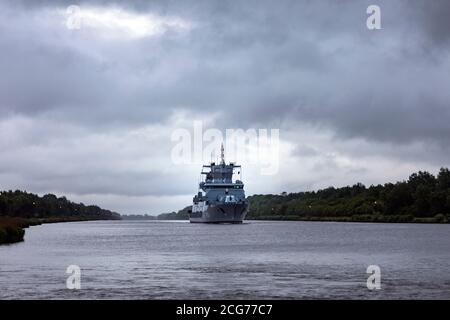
(91, 95)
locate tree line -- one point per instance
(423, 197)
(22, 204)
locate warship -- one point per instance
(219, 199)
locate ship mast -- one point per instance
(222, 155)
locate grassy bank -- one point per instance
(12, 230)
(360, 218)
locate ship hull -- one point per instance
(220, 213)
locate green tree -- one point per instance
(443, 179)
(398, 198)
(423, 178)
(422, 201)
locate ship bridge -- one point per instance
(218, 183)
(220, 174)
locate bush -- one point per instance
(14, 234)
(2, 235)
(11, 234)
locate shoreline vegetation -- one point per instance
(423, 198)
(179, 215)
(359, 218)
(20, 210)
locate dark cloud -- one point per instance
(284, 64)
(432, 16)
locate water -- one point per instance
(255, 260)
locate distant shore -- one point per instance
(361, 218)
(20, 209)
(375, 219)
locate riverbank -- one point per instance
(12, 230)
(373, 219)
(21, 209)
(440, 218)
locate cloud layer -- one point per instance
(89, 112)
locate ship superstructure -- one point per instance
(219, 199)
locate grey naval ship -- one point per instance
(219, 200)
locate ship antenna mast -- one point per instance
(222, 154)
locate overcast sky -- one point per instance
(89, 112)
